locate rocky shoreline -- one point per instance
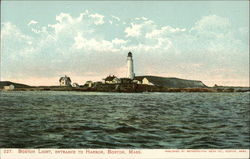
(131, 88)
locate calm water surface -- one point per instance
(121, 120)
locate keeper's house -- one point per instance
(65, 81)
(111, 80)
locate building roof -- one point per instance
(110, 78)
(66, 78)
(127, 79)
(171, 82)
(89, 82)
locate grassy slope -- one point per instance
(17, 85)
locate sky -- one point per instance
(42, 41)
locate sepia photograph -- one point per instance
(137, 79)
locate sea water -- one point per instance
(124, 120)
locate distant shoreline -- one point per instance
(126, 88)
(131, 88)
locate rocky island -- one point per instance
(127, 88)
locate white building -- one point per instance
(89, 83)
(10, 87)
(147, 81)
(76, 85)
(65, 81)
(130, 66)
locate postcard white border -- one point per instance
(124, 153)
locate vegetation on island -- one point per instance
(128, 88)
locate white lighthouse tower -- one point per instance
(130, 73)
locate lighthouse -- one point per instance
(130, 66)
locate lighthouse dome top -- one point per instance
(129, 54)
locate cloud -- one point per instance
(116, 18)
(93, 44)
(67, 23)
(212, 24)
(98, 18)
(119, 41)
(64, 17)
(32, 22)
(139, 27)
(163, 30)
(10, 30)
(134, 30)
(141, 18)
(87, 48)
